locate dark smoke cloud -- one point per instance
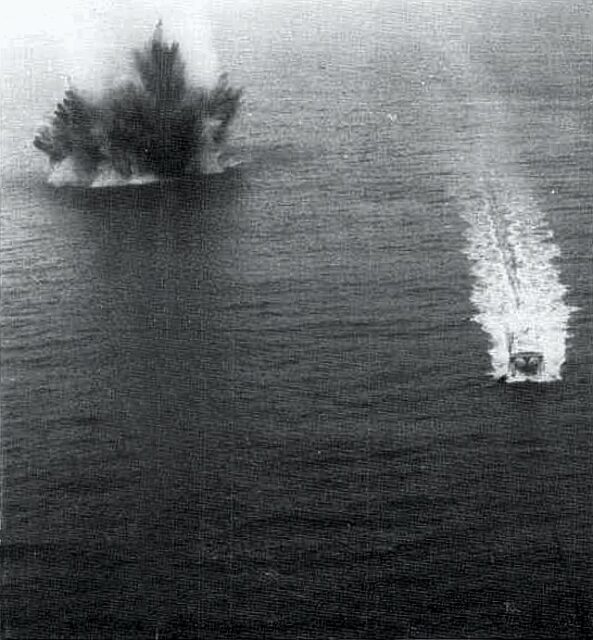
(156, 126)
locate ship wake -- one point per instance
(517, 289)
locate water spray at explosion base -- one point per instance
(154, 127)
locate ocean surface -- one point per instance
(263, 404)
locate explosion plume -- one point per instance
(153, 127)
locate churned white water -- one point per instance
(517, 290)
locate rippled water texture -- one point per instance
(263, 404)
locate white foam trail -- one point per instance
(517, 289)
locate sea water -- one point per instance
(263, 403)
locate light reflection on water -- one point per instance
(227, 403)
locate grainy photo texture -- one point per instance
(296, 319)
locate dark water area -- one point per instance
(257, 404)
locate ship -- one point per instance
(526, 361)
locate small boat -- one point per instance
(525, 364)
